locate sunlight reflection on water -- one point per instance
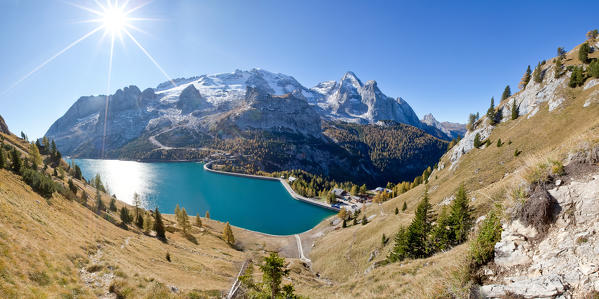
(124, 178)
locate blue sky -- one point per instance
(443, 57)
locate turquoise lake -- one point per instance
(254, 204)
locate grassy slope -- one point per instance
(45, 244)
(489, 173)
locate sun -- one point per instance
(114, 19)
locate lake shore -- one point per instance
(207, 167)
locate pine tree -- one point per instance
(413, 242)
(396, 210)
(53, 151)
(72, 186)
(344, 224)
(46, 145)
(526, 78)
(78, 174)
(228, 234)
(507, 92)
(139, 220)
(364, 220)
(159, 226)
(499, 143)
(198, 220)
(17, 163)
(515, 110)
(472, 118)
(273, 271)
(125, 217)
(460, 216)
(477, 142)
(583, 53)
(538, 73)
(577, 78)
(404, 207)
(491, 116)
(559, 68)
(592, 35)
(112, 205)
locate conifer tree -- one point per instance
(139, 220)
(344, 224)
(148, 223)
(17, 163)
(477, 142)
(198, 220)
(583, 53)
(363, 189)
(159, 226)
(396, 210)
(538, 74)
(34, 154)
(526, 78)
(53, 150)
(404, 207)
(561, 53)
(413, 242)
(499, 143)
(207, 215)
(99, 203)
(491, 116)
(183, 221)
(228, 234)
(460, 216)
(515, 110)
(577, 78)
(125, 217)
(46, 145)
(507, 92)
(364, 220)
(72, 186)
(273, 271)
(112, 205)
(559, 68)
(592, 34)
(78, 174)
(177, 212)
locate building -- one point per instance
(292, 179)
(339, 193)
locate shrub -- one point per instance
(517, 152)
(557, 168)
(482, 249)
(121, 289)
(593, 69)
(40, 183)
(577, 78)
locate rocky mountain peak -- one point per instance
(3, 126)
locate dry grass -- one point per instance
(492, 175)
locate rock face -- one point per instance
(3, 126)
(453, 130)
(565, 262)
(262, 119)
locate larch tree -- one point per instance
(525, 78)
(35, 154)
(207, 216)
(183, 221)
(198, 220)
(228, 234)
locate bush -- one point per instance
(40, 183)
(593, 69)
(482, 249)
(577, 78)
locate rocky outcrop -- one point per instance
(452, 130)
(3, 126)
(565, 262)
(287, 113)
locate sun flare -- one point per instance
(114, 19)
